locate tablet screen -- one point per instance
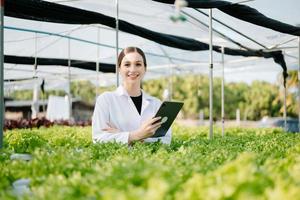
(168, 112)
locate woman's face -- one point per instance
(132, 68)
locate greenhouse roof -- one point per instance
(28, 38)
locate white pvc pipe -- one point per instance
(210, 77)
(117, 41)
(222, 93)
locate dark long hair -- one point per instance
(130, 50)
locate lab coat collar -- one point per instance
(121, 91)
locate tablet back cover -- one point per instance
(168, 112)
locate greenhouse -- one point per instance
(90, 90)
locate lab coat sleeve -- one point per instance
(167, 138)
(99, 121)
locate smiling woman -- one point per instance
(127, 114)
(132, 57)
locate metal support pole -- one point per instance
(284, 112)
(299, 83)
(35, 54)
(210, 77)
(1, 73)
(69, 80)
(170, 83)
(170, 79)
(222, 93)
(35, 98)
(97, 63)
(117, 41)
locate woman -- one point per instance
(126, 114)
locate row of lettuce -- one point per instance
(245, 164)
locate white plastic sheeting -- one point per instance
(154, 16)
(58, 108)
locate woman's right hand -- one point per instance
(147, 129)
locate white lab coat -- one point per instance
(117, 109)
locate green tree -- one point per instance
(292, 95)
(260, 100)
(254, 101)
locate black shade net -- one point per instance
(103, 67)
(242, 12)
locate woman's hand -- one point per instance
(146, 130)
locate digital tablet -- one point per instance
(168, 112)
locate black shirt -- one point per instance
(137, 102)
